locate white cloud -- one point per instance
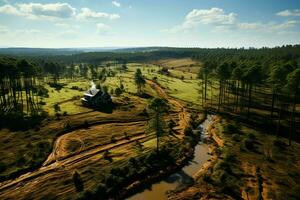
(103, 29)
(221, 21)
(213, 16)
(3, 29)
(289, 13)
(268, 27)
(285, 25)
(56, 10)
(87, 13)
(250, 26)
(67, 26)
(38, 10)
(9, 9)
(117, 4)
(53, 11)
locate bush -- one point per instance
(57, 115)
(118, 91)
(188, 130)
(236, 137)
(113, 139)
(85, 124)
(75, 87)
(56, 107)
(251, 136)
(77, 181)
(68, 126)
(42, 103)
(171, 124)
(144, 113)
(2, 167)
(279, 143)
(42, 91)
(101, 191)
(207, 178)
(249, 144)
(231, 129)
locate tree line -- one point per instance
(243, 87)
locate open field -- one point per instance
(183, 64)
(121, 132)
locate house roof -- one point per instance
(91, 92)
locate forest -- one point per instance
(240, 74)
(240, 105)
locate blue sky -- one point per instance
(130, 23)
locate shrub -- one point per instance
(118, 91)
(42, 103)
(75, 87)
(279, 143)
(57, 115)
(207, 178)
(2, 167)
(56, 107)
(68, 126)
(133, 162)
(251, 136)
(231, 129)
(42, 91)
(113, 139)
(171, 124)
(101, 191)
(85, 124)
(249, 144)
(77, 181)
(236, 137)
(144, 113)
(188, 130)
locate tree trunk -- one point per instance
(273, 102)
(249, 100)
(220, 94)
(205, 87)
(292, 128)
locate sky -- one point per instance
(140, 23)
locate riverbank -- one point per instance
(250, 165)
(142, 184)
(155, 185)
(215, 143)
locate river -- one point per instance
(183, 176)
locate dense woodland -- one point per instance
(247, 79)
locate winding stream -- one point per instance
(182, 177)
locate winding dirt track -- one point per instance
(183, 115)
(60, 164)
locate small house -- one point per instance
(96, 98)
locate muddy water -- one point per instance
(180, 178)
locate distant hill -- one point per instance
(52, 51)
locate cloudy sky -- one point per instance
(125, 23)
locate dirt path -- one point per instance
(65, 162)
(59, 163)
(182, 113)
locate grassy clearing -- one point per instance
(174, 62)
(67, 98)
(25, 150)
